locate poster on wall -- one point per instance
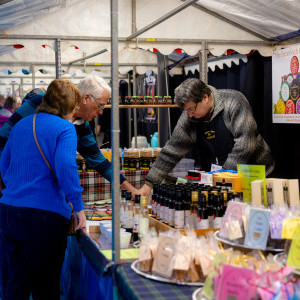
(286, 85)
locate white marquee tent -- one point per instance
(32, 31)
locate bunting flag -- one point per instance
(5, 49)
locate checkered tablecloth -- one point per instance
(96, 188)
(133, 286)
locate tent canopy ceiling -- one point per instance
(83, 28)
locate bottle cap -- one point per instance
(144, 201)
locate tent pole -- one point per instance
(57, 58)
(129, 112)
(115, 187)
(203, 62)
(163, 18)
(167, 91)
(134, 110)
(33, 76)
(86, 57)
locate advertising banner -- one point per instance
(286, 85)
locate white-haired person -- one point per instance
(95, 93)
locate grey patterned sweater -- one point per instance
(249, 145)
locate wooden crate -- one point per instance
(160, 226)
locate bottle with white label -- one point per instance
(128, 213)
(144, 219)
(172, 209)
(179, 211)
(218, 212)
(136, 217)
(167, 200)
(193, 210)
(162, 203)
(187, 207)
(202, 218)
(122, 207)
(153, 202)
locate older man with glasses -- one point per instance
(220, 124)
(95, 94)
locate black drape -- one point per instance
(254, 80)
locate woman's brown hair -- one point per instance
(61, 98)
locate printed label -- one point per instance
(143, 225)
(136, 219)
(218, 222)
(179, 219)
(202, 223)
(171, 216)
(187, 215)
(166, 215)
(290, 107)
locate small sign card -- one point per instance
(233, 283)
(294, 254)
(258, 229)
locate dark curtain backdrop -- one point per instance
(254, 80)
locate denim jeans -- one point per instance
(33, 244)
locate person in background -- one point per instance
(10, 105)
(95, 94)
(220, 124)
(2, 100)
(34, 209)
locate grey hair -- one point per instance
(94, 85)
(191, 89)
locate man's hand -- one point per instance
(127, 186)
(145, 190)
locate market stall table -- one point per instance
(88, 274)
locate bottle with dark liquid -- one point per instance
(136, 217)
(179, 211)
(128, 214)
(172, 208)
(187, 207)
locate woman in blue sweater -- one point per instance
(34, 213)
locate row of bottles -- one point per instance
(190, 205)
(134, 214)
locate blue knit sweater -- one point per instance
(28, 180)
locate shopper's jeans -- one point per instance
(33, 244)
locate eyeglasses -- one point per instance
(190, 109)
(100, 106)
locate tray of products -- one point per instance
(240, 245)
(149, 275)
(281, 259)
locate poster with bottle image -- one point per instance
(286, 85)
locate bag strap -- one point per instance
(44, 157)
(40, 149)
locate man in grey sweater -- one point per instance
(220, 123)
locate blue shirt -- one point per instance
(28, 180)
(86, 143)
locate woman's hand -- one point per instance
(80, 220)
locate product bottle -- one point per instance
(210, 208)
(167, 200)
(122, 207)
(187, 207)
(202, 220)
(218, 212)
(144, 219)
(158, 203)
(162, 204)
(136, 216)
(172, 209)
(153, 202)
(194, 205)
(179, 211)
(128, 214)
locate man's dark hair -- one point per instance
(191, 89)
